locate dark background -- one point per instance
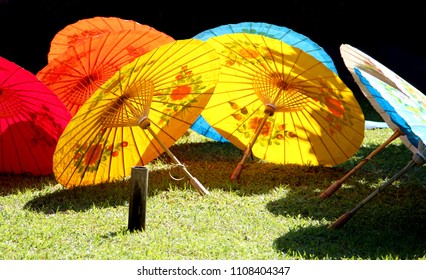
(390, 33)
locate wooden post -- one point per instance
(138, 194)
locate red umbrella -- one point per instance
(32, 118)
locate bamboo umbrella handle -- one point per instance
(237, 171)
(336, 185)
(347, 216)
(192, 180)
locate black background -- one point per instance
(390, 33)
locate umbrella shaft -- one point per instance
(336, 185)
(384, 185)
(236, 174)
(194, 182)
(169, 153)
(253, 139)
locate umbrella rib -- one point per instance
(16, 148)
(136, 146)
(334, 141)
(76, 131)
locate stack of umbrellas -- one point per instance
(282, 33)
(132, 91)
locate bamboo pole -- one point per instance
(337, 184)
(192, 180)
(240, 166)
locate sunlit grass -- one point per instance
(272, 212)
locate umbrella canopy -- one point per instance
(269, 30)
(32, 118)
(84, 29)
(281, 104)
(407, 104)
(78, 72)
(400, 111)
(402, 106)
(137, 114)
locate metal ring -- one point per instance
(170, 170)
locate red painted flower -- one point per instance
(93, 154)
(124, 144)
(334, 106)
(249, 53)
(180, 92)
(255, 122)
(291, 134)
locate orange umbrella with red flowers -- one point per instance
(280, 104)
(84, 29)
(134, 117)
(77, 73)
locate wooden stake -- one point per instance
(138, 194)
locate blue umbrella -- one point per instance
(402, 106)
(403, 111)
(284, 34)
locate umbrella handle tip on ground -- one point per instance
(237, 171)
(341, 221)
(198, 186)
(331, 189)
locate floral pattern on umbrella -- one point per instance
(137, 114)
(302, 111)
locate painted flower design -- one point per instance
(44, 118)
(181, 94)
(240, 52)
(88, 156)
(334, 106)
(271, 132)
(254, 124)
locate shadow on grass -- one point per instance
(14, 183)
(392, 224)
(81, 198)
(212, 164)
(392, 234)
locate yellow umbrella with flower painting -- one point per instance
(138, 114)
(280, 104)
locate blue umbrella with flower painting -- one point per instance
(401, 105)
(137, 115)
(282, 33)
(403, 113)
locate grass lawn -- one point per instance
(272, 213)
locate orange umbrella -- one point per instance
(83, 68)
(32, 118)
(84, 29)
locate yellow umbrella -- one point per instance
(282, 105)
(78, 72)
(137, 114)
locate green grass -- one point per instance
(272, 212)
